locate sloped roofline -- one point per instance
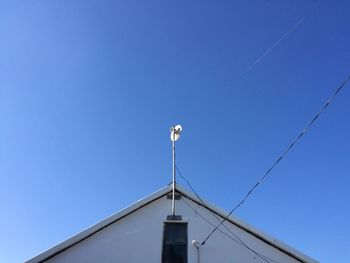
(153, 197)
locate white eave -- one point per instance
(156, 195)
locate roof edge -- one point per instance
(86, 233)
(290, 251)
(62, 246)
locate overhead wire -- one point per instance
(238, 240)
(234, 237)
(300, 135)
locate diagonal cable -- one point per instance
(233, 238)
(238, 240)
(308, 126)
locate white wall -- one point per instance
(138, 238)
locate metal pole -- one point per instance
(174, 171)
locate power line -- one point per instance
(235, 238)
(205, 205)
(329, 101)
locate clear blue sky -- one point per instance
(89, 90)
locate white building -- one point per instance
(144, 232)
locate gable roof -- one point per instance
(155, 196)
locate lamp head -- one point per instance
(175, 133)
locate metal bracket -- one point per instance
(170, 196)
(174, 218)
